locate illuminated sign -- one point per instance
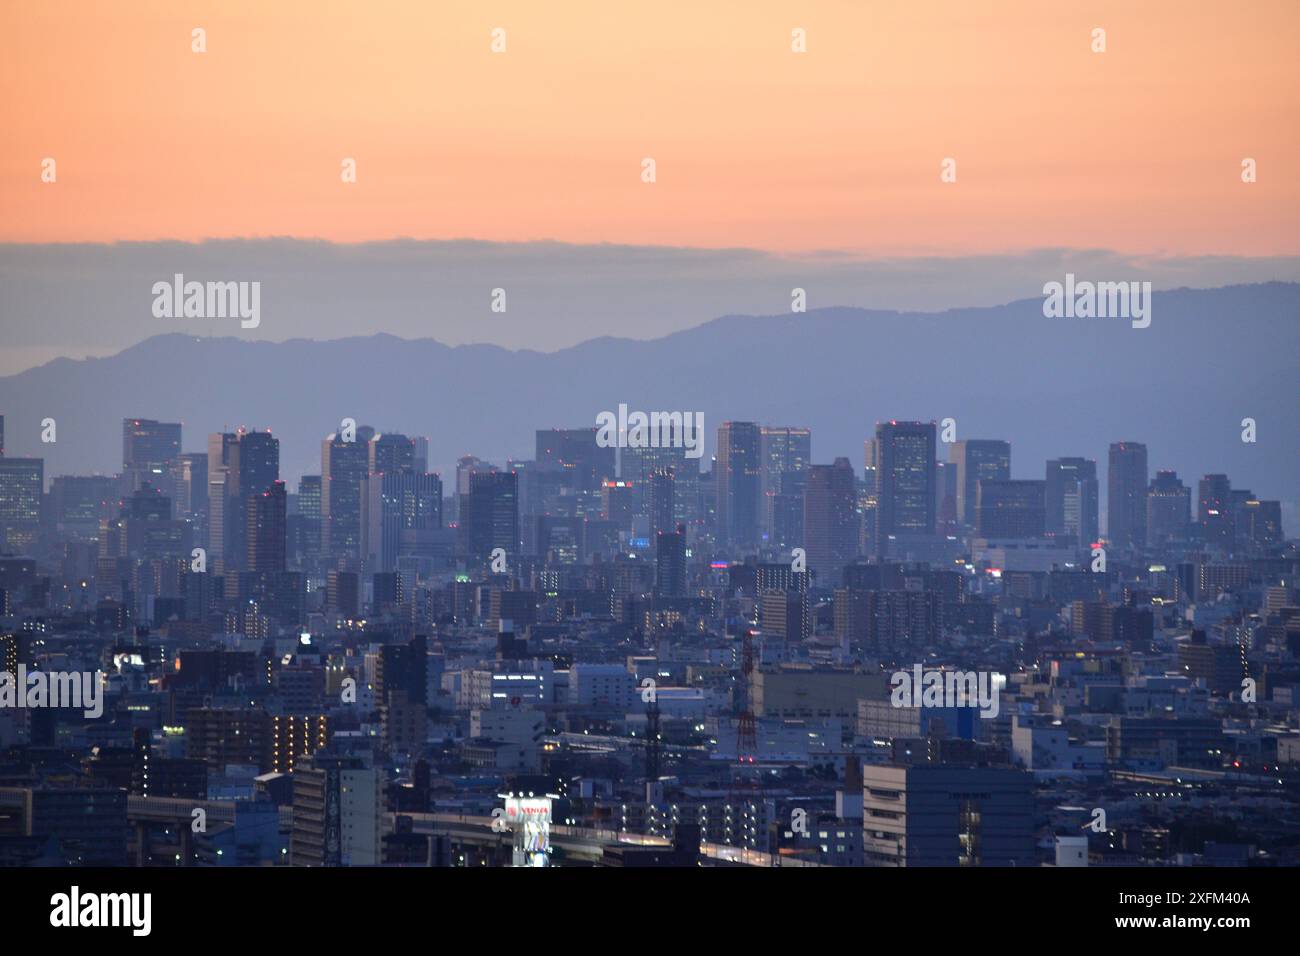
(530, 818)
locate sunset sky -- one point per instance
(1137, 150)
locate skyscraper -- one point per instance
(22, 483)
(193, 499)
(150, 452)
(830, 519)
(1258, 523)
(1169, 509)
(1009, 509)
(309, 513)
(266, 529)
(395, 504)
(738, 480)
(1071, 499)
(252, 466)
(575, 451)
(670, 562)
(784, 449)
(661, 489)
(1214, 512)
(638, 464)
(491, 518)
(905, 479)
(219, 448)
(343, 467)
(390, 452)
(977, 459)
(1126, 487)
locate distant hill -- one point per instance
(1051, 386)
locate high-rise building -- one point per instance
(151, 452)
(618, 503)
(830, 519)
(79, 502)
(1126, 488)
(738, 479)
(661, 502)
(976, 460)
(869, 499)
(905, 479)
(662, 452)
(786, 615)
(784, 511)
(219, 446)
(397, 504)
(1071, 498)
(1259, 523)
(147, 443)
(466, 466)
(670, 563)
(344, 466)
(193, 490)
(1009, 509)
(390, 452)
(252, 467)
(945, 498)
(784, 449)
(575, 451)
(266, 529)
(22, 484)
(1214, 512)
(309, 497)
(343, 593)
(491, 517)
(942, 815)
(1169, 504)
(338, 805)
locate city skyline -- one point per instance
(835, 436)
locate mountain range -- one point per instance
(1051, 386)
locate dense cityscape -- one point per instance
(622, 652)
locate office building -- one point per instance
(1126, 487)
(977, 460)
(738, 477)
(943, 815)
(398, 506)
(1169, 514)
(338, 808)
(266, 532)
(390, 452)
(575, 452)
(1071, 499)
(344, 466)
(22, 485)
(491, 518)
(905, 479)
(830, 519)
(1009, 509)
(1214, 512)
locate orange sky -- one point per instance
(1137, 149)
